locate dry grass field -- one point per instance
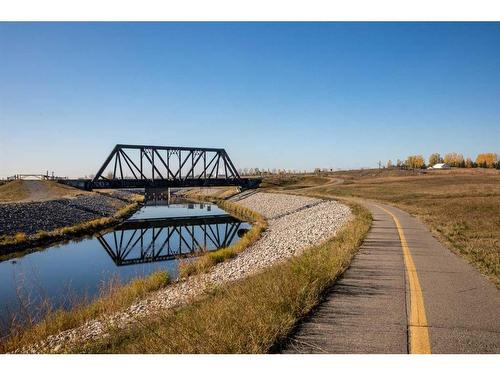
(13, 191)
(460, 206)
(29, 190)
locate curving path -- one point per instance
(404, 293)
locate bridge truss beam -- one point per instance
(129, 166)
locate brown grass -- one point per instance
(13, 191)
(116, 297)
(34, 190)
(212, 192)
(293, 181)
(113, 297)
(460, 206)
(252, 315)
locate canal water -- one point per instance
(153, 239)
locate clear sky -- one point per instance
(282, 95)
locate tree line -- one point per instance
(453, 159)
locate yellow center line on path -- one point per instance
(419, 332)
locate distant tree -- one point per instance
(389, 164)
(469, 163)
(435, 159)
(454, 159)
(109, 175)
(487, 160)
(415, 161)
(317, 170)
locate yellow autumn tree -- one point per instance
(487, 160)
(454, 159)
(469, 163)
(435, 159)
(415, 161)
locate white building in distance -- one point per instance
(440, 166)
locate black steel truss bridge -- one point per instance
(154, 240)
(140, 166)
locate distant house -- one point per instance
(440, 166)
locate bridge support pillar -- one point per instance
(157, 194)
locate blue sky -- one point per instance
(275, 95)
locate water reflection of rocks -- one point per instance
(153, 240)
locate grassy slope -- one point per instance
(12, 246)
(461, 207)
(116, 297)
(13, 191)
(252, 315)
(28, 190)
(293, 182)
(113, 297)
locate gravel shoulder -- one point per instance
(31, 217)
(294, 224)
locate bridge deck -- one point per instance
(142, 184)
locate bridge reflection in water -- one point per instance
(153, 240)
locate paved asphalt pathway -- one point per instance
(370, 310)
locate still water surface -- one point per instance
(154, 238)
